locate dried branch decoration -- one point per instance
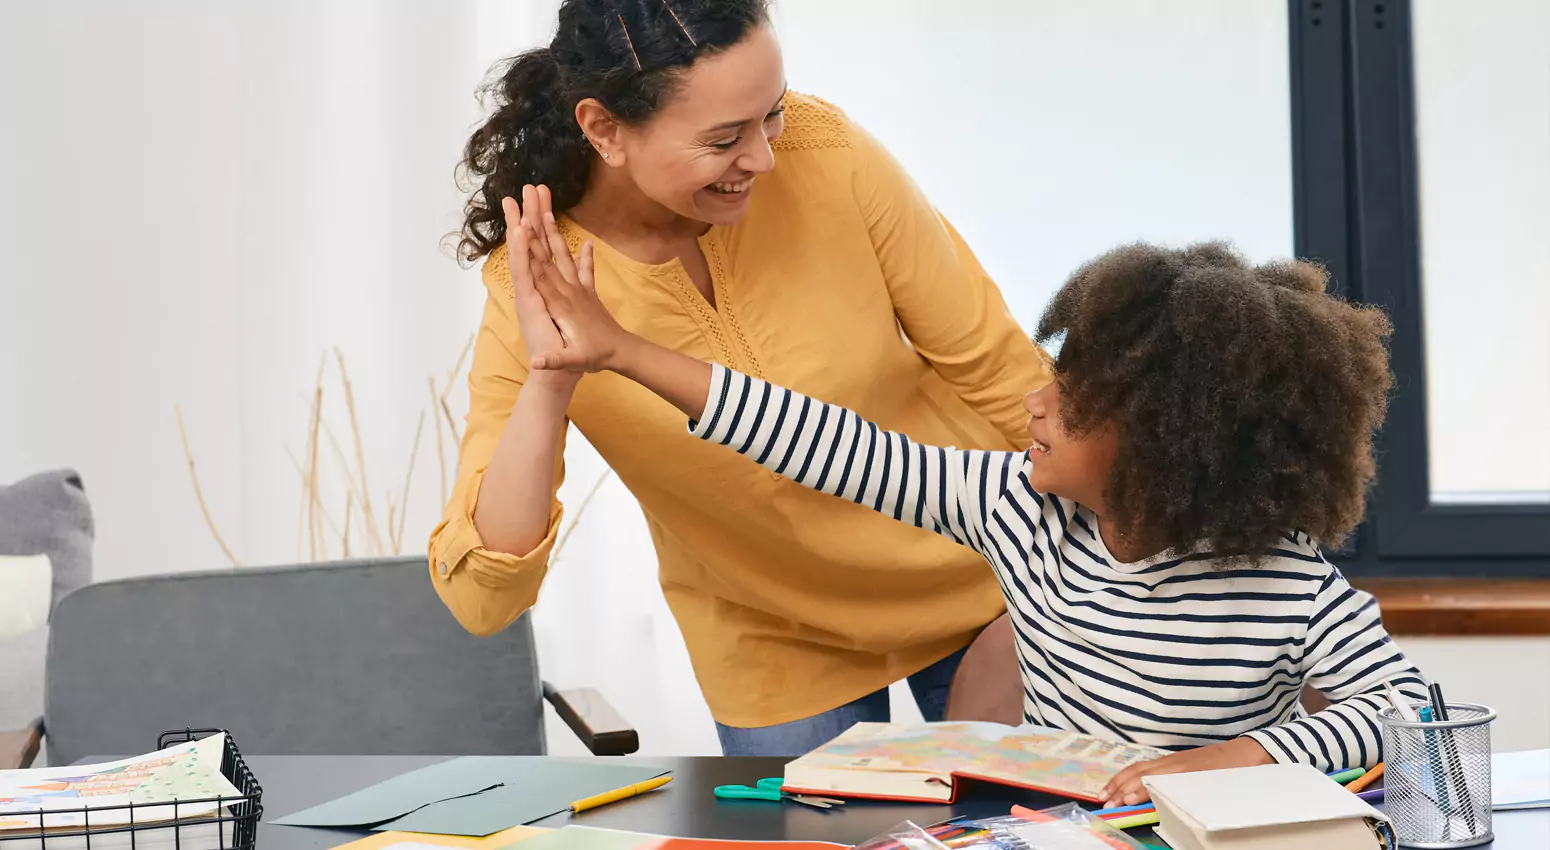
(362, 534)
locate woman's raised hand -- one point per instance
(590, 338)
(539, 332)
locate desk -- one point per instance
(686, 807)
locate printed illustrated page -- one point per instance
(1066, 762)
(180, 772)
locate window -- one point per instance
(1421, 168)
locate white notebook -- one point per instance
(1520, 780)
(1267, 807)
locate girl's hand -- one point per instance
(591, 338)
(1125, 789)
(539, 332)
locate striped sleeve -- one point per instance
(833, 450)
(1348, 658)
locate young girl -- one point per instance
(1210, 422)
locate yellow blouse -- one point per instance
(843, 283)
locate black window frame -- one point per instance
(1356, 209)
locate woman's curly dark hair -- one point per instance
(1244, 397)
(628, 54)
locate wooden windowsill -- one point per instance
(1445, 606)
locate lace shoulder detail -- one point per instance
(496, 272)
(812, 124)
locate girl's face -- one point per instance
(1076, 467)
(702, 153)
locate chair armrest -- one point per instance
(19, 747)
(602, 729)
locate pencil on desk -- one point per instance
(621, 794)
(1104, 813)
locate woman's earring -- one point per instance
(604, 153)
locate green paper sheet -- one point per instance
(532, 789)
(403, 794)
(450, 798)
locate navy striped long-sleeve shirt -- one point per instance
(1169, 652)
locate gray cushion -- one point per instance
(351, 657)
(47, 514)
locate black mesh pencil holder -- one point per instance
(1437, 777)
(209, 823)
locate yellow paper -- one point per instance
(386, 840)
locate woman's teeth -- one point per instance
(731, 188)
(1040, 447)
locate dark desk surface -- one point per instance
(687, 808)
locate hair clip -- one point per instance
(680, 24)
(629, 41)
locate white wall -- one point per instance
(1050, 132)
(200, 201)
(1509, 674)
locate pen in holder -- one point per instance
(1438, 775)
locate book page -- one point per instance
(1063, 762)
(184, 771)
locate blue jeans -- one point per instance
(801, 737)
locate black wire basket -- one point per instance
(231, 825)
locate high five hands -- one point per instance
(567, 329)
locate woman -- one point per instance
(737, 222)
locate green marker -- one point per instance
(1346, 776)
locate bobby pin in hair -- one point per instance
(680, 24)
(629, 41)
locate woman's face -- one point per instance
(701, 154)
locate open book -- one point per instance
(923, 762)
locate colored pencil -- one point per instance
(1345, 776)
(1117, 809)
(1367, 778)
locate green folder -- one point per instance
(473, 796)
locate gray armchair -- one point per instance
(347, 657)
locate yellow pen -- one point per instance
(622, 794)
